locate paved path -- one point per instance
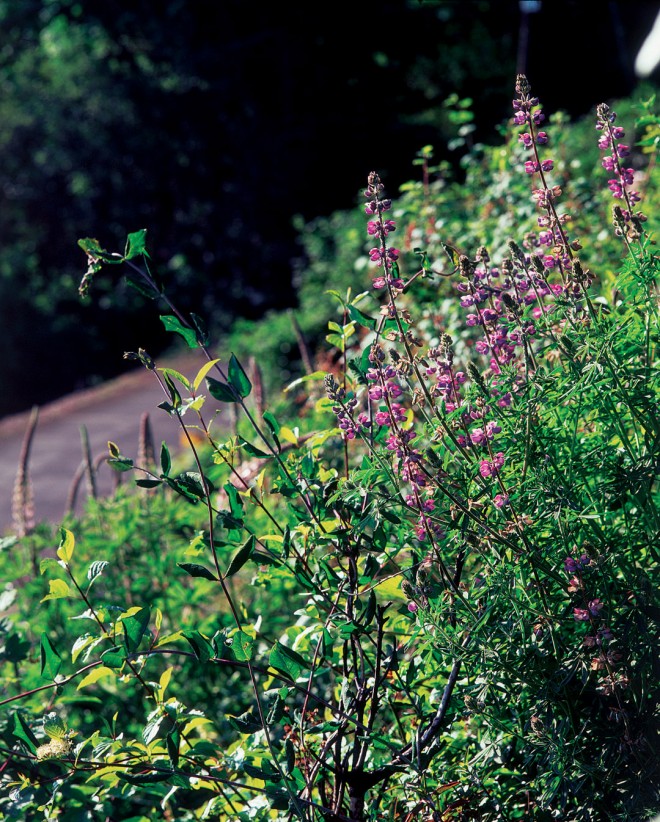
(111, 411)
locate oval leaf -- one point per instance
(241, 556)
(196, 570)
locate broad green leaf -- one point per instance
(200, 645)
(51, 661)
(136, 244)
(246, 723)
(120, 464)
(67, 544)
(361, 318)
(54, 727)
(269, 773)
(252, 450)
(238, 379)
(196, 570)
(83, 642)
(220, 390)
(58, 589)
(176, 375)
(235, 501)
(94, 676)
(203, 371)
(175, 325)
(148, 483)
(241, 646)
(113, 658)
(240, 556)
(135, 627)
(22, 731)
(287, 661)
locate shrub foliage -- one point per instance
(423, 587)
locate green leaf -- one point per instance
(252, 450)
(96, 568)
(54, 727)
(203, 371)
(148, 483)
(142, 286)
(58, 589)
(136, 244)
(67, 544)
(94, 249)
(267, 774)
(220, 390)
(151, 778)
(113, 658)
(135, 627)
(274, 426)
(175, 325)
(200, 645)
(165, 459)
(176, 375)
(189, 485)
(235, 502)
(361, 318)
(241, 646)
(196, 570)
(246, 723)
(16, 648)
(240, 556)
(238, 379)
(173, 391)
(51, 661)
(172, 740)
(200, 327)
(121, 464)
(22, 731)
(286, 661)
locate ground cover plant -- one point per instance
(422, 589)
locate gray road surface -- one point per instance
(111, 411)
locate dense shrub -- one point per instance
(426, 590)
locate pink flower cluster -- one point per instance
(552, 245)
(620, 184)
(384, 256)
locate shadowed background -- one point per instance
(213, 123)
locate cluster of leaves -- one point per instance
(429, 594)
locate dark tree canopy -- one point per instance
(212, 124)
